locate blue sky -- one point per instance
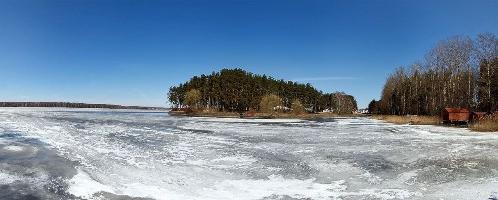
(131, 51)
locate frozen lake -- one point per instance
(103, 154)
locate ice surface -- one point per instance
(153, 155)
(7, 178)
(13, 148)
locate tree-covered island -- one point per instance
(238, 91)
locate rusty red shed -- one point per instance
(455, 115)
(476, 116)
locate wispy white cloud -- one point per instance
(327, 78)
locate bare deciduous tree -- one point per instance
(449, 77)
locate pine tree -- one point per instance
(373, 107)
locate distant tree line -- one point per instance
(71, 105)
(458, 72)
(236, 90)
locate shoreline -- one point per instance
(309, 116)
(483, 126)
(62, 109)
(408, 119)
(48, 104)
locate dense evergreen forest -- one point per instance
(458, 72)
(72, 105)
(236, 90)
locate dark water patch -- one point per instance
(395, 142)
(110, 196)
(287, 124)
(36, 171)
(141, 139)
(196, 131)
(16, 151)
(288, 165)
(263, 139)
(108, 112)
(450, 169)
(19, 192)
(283, 197)
(10, 135)
(323, 119)
(487, 145)
(83, 123)
(292, 124)
(391, 130)
(263, 123)
(373, 163)
(229, 122)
